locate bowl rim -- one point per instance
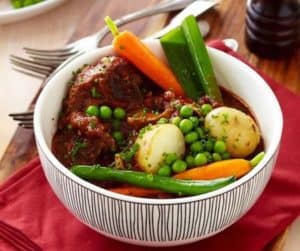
(47, 153)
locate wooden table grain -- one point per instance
(227, 20)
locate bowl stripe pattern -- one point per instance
(151, 223)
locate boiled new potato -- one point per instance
(237, 129)
(157, 141)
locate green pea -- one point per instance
(190, 160)
(216, 157)
(119, 113)
(175, 121)
(179, 166)
(186, 125)
(191, 137)
(105, 112)
(118, 136)
(208, 156)
(170, 158)
(200, 159)
(91, 110)
(162, 121)
(200, 132)
(209, 145)
(196, 147)
(186, 111)
(164, 170)
(195, 120)
(205, 109)
(225, 155)
(220, 147)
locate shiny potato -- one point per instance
(237, 129)
(157, 141)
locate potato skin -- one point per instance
(157, 141)
(237, 129)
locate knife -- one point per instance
(196, 8)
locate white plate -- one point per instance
(8, 14)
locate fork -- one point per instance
(41, 70)
(53, 58)
(26, 118)
(42, 66)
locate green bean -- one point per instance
(141, 179)
(257, 158)
(201, 58)
(180, 62)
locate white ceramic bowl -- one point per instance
(161, 222)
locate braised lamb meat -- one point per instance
(111, 81)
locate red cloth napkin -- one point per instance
(28, 204)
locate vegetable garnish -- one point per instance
(200, 58)
(220, 169)
(24, 3)
(134, 50)
(179, 58)
(76, 148)
(145, 180)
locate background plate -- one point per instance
(8, 14)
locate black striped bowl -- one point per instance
(161, 222)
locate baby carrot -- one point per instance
(221, 169)
(137, 191)
(134, 50)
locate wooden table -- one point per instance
(85, 17)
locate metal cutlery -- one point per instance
(55, 57)
(196, 8)
(43, 62)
